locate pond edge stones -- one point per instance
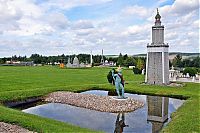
(9, 128)
(95, 102)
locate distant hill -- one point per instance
(173, 54)
(111, 56)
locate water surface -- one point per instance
(154, 115)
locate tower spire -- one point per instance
(157, 18)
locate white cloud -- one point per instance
(137, 29)
(9, 13)
(84, 32)
(20, 17)
(9, 16)
(171, 36)
(136, 11)
(82, 24)
(44, 28)
(57, 20)
(196, 24)
(68, 4)
(185, 42)
(185, 6)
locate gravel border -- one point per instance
(95, 102)
(9, 128)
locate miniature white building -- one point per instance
(69, 63)
(75, 62)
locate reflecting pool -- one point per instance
(154, 115)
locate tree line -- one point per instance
(40, 59)
(122, 60)
(190, 65)
(178, 61)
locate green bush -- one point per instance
(190, 70)
(137, 71)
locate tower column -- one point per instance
(146, 67)
(91, 60)
(163, 67)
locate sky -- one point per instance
(55, 27)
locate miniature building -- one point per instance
(62, 65)
(69, 63)
(157, 64)
(173, 74)
(75, 62)
(157, 112)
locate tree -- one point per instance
(196, 62)
(130, 61)
(125, 57)
(36, 58)
(177, 61)
(120, 60)
(190, 70)
(140, 64)
(1, 61)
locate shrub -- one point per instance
(137, 71)
(190, 70)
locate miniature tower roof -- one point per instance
(157, 17)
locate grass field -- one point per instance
(18, 83)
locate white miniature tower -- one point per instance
(91, 60)
(102, 60)
(69, 63)
(157, 63)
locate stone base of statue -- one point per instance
(119, 98)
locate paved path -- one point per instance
(95, 102)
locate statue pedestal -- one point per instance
(119, 98)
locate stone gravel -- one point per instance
(9, 128)
(95, 102)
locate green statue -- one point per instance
(120, 123)
(119, 82)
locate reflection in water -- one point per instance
(157, 112)
(150, 118)
(120, 123)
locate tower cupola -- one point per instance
(157, 18)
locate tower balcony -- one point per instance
(157, 45)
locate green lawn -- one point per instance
(17, 83)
